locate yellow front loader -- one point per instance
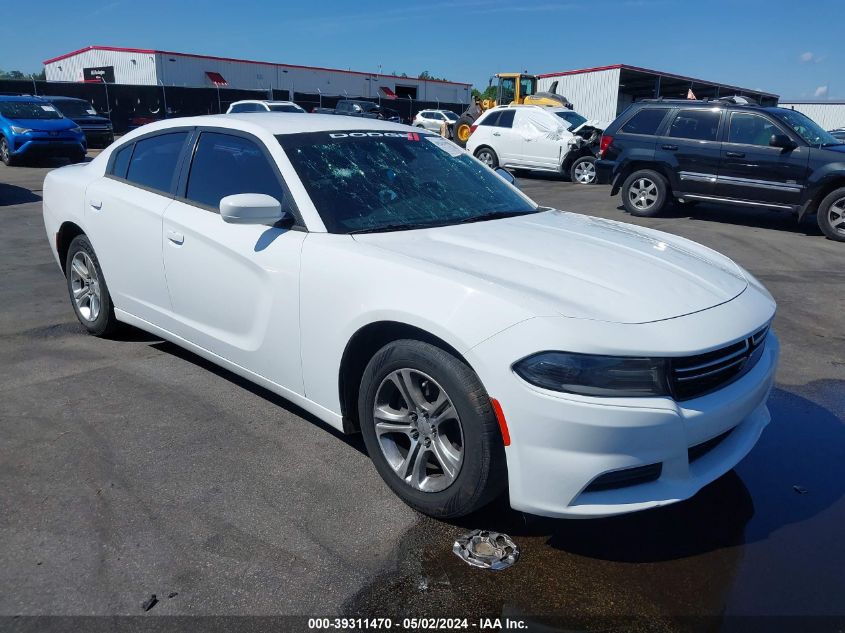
(512, 88)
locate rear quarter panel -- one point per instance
(64, 199)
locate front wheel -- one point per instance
(831, 215)
(430, 429)
(487, 156)
(87, 288)
(583, 170)
(644, 193)
(6, 152)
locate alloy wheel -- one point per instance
(585, 172)
(486, 157)
(4, 150)
(643, 193)
(85, 286)
(418, 430)
(836, 216)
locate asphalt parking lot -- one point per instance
(129, 467)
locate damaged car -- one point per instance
(538, 138)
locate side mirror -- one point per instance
(782, 141)
(251, 208)
(505, 175)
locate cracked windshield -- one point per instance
(384, 181)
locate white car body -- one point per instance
(433, 119)
(537, 138)
(257, 105)
(279, 307)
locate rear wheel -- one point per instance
(463, 130)
(430, 429)
(583, 170)
(6, 152)
(87, 288)
(487, 156)
(644, 193)
(831, 215)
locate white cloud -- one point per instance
(821, 91)
(806, 57)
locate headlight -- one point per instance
(76, 129)
(591, 375)
(20, 130)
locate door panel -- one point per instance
(691, 149)
(752, 170)
(235, 290)
(124, 226)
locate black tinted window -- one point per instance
(225, 165)
(645, 121)
(121, 161)
(492, 119)
(506, 119)
(154, 161)
(699, 125)
(751, 129)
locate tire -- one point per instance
(94, 309)
(469, 430)
(644, 193)
(583, 170)
(487, 155)
(831, 215)
(6, 153)
(462, 130)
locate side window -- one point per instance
(437, 116)
(121, 160)
(698, 125)
(241, 107)
(224, 165)
(506, 118)
(491, 119)
(751, 129)
(154, 161)
(645, 121)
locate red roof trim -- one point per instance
(654, 72)
(244, 61)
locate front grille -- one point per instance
(700, 450)
(625, 477)
(693, 376)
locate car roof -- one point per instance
(279, 123)
(267, 101)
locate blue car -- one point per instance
(31, 127)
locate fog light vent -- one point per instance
(625, 477)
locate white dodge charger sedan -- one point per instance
(390, 283)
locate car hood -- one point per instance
(576, 266)
(44, 124)
(91, 119)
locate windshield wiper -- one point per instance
(493, 215)
(392, 227)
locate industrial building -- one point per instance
(602, 93)
(143, 67)
(829, 114)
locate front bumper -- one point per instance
(44, 145)
(98, 137)
(562, 443)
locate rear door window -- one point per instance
(490, 119)
(225, 165)
(646, 121)
(506, 118)
(697, 125)
(120, 162)
(154, 161)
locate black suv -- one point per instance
(98, 129)
(724, 150)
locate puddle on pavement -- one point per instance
(738, 547)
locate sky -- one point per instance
(794, 49)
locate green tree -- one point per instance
(489, 93)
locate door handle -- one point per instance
(671, 148)
(497, 133)
(735, 154)
(96, 204)
(175, 236)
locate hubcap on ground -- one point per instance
(836, 216)
(418, 430)
(85, 286)
(643, 193)
(585, 172)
